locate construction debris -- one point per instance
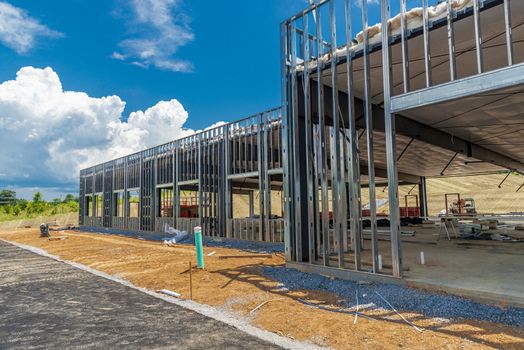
(398, 313)
(60, 238)
(179, 236)
(488, 236)
(44, 231)
(262, 304)
(170, 293)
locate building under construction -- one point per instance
(432, 91)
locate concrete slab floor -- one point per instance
(485, 270)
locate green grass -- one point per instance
(33, 210)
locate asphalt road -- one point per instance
(46, 304)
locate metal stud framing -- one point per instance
(213, 164)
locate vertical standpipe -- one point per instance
(199, 248)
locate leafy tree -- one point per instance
(22, 204)
(37, 206)
(56, 201)
(8, 209)
(70, 198)
(73, 206)
(37, 198)
(7, 197)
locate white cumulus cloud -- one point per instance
(49, 134)
(159, 29)
(19, 31)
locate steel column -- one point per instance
(389, 120)
(284, 42)
(423, 197)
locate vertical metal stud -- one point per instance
(294, 144)
(174, 155)
(261, 177)
(478, 36)
(369, 133)
(308, 141)
(227, 184)
(354, 169)
(322, 143)
(405, 56)
(427, 47)
(451, 41)
(335, 168)
(284, 41)
(389, 119)
(509, 35)
(198, 145)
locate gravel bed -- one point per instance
(401, 298)
(249, 246)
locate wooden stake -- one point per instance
(190, 281)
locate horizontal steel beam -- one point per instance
(462, 88)
(422, 132)
(275, 171)
(435, 137)
(243, 175)
(188, 182)
(275, 186)
(383, 173)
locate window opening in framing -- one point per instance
(189, 204)
(98, 205)
(133, 203)
(89, 205)
(119, 204)
(165, 205)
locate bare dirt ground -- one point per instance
(235, 283)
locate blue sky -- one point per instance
(127, 74)
(235, 55)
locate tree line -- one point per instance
(12, 207)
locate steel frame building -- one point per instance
(236, 158)
(429, 92)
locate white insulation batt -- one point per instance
(413, 21)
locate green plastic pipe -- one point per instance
(199, 248)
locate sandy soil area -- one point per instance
(233, 281)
